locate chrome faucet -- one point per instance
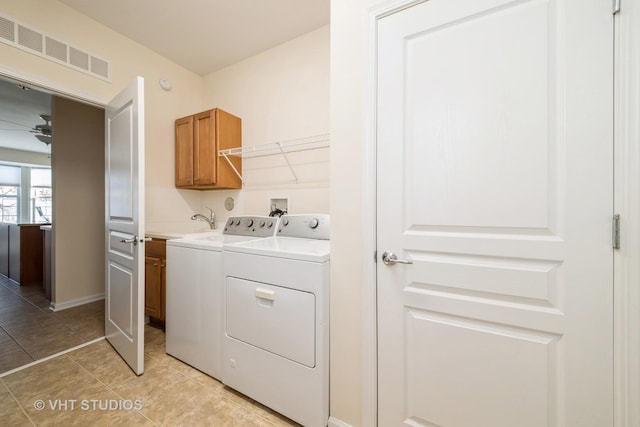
(211, 220)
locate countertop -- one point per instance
(178, 230)
(158, 234)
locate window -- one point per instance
(9, 203)
(40, 195)
(9, 193)
(25, 194)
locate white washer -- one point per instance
(276, 340)
(193, 322)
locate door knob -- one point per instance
(133, 240)
(389, 258)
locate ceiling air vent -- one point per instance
(38, 43)
(29, 38)
(100, 67)
(55, 49)
(78, 58)
(7, 29)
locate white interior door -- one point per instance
(124, 313)
(495, 179)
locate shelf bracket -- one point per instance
(286, 159)
(276, 148)
(226, 157)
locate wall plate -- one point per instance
(229, 203)
(281, 203)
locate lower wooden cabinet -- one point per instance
(25, 254)
(47, 264)
(155, 267)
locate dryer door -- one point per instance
(276, 319)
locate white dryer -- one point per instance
(194, 291)
(276, 319)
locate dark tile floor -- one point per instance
(29, 330)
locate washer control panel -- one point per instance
(259, 226)
(307, 226)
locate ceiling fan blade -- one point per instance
(43, 138)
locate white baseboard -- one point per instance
(334, 422)
(58, 306)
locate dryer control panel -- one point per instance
(306, 226)
(258, 226)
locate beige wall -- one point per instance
(128, 59)
(24, 157)
(280, 94)
(348, 125)
(77, 159)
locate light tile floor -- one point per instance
(29, 330)
(170, 393)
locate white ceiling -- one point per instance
(207, 35)
(201, 35)
(19, 112)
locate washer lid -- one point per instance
(285, 247)
(210, 242)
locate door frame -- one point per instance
(53, 87)
(626, 307)
(626, 270)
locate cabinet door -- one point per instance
(205, 148)
(14, 252)
(4, 249)
(184, 152)
(153, 287)
(31, 255)
(163, 289)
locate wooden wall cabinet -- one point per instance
(155, 281)
(199, 138)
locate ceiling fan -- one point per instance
(43, 131)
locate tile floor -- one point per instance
(29, 330)
(170, 393)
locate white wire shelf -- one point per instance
(277, 148)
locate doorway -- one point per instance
(77, 161)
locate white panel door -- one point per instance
(495, 179)
(124, 294)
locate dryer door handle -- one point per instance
(267, 294)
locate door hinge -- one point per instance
(616, 6)
(616, 231)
